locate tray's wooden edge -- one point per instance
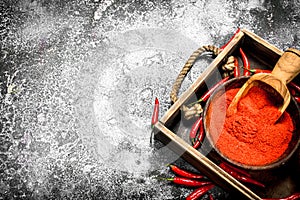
(263, 42)
(190, 91)
(193, 156)
(202, 163)
(268, 54)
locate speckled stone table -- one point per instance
(78, 83)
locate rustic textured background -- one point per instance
(78, 82)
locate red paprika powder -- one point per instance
(252, 136)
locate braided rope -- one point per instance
(196, 109)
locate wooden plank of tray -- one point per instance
(268, 53)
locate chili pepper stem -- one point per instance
(195, 102)
(162, 178)
(250, 70)
(151, 136)
(193, 141)
(254, 71)
(168, 179)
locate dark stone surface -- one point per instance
(78, 82)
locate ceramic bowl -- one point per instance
(292, 109)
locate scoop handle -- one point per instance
(288, 65)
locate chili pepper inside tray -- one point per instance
(255, 55)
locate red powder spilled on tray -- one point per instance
(251, 136)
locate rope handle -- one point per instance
(196, 109)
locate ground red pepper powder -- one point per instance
(250, 136)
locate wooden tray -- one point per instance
(280, 182)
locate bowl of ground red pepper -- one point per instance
(252, 138)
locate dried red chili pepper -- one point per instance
(199, 192)
(236, 70)
(226, 165)
(211, 197)
(188, 182)
(245, 63)
(241, 177)
(193, 132)
(295, 86)
(206, 95)
(247, 180)
(184, 173)
(292, 91)
(197, 144)
(155, 113)
(237, 31)
(200, 137)
(291, 197)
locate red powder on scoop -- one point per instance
(250, 136)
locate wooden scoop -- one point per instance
(287, 68)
